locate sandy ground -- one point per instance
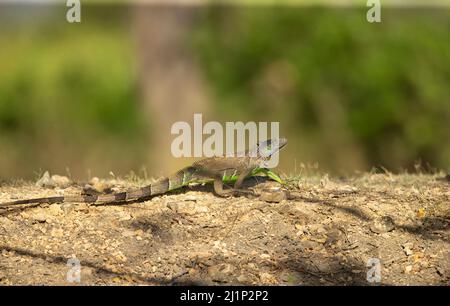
(328, 232)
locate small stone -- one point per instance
(116, 280)
(421, 213)
(128, 233)
(97, 186)
(242, 278)
(202, 209)
(46, 181)
(57, 232)
(81, 207)
(273, 194)
(267, 278)
(440, 271)
(55, 209)
(321, 229)
(39, 217)
(61, 181)
(201, 255)
(120, 257)
(221, 272)
(264, 256)
(382, 225)
(172, 206)
(86, 272)
(308, 245)
(186, 207)
(190, 197)
(408, 269)
(94, 180)
(335, 236)
(67, 208)
(299, 227)
(89, 190)
(5, 222)
(25, 215)
(407, 248)
(123, 216)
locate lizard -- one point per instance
(222, 169)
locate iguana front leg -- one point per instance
(218, 185)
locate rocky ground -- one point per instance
(327, 232)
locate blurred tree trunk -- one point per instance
(171, 85)
(337, 136)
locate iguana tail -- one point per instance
(161, 186)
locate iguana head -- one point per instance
(265, 149)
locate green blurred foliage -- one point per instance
(67, 92)
(386, 84)
(347, 93)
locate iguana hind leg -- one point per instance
(241, 178)
(218, 188)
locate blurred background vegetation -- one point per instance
(349, 95)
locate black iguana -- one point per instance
(219, 170)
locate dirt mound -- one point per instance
(372, 229)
